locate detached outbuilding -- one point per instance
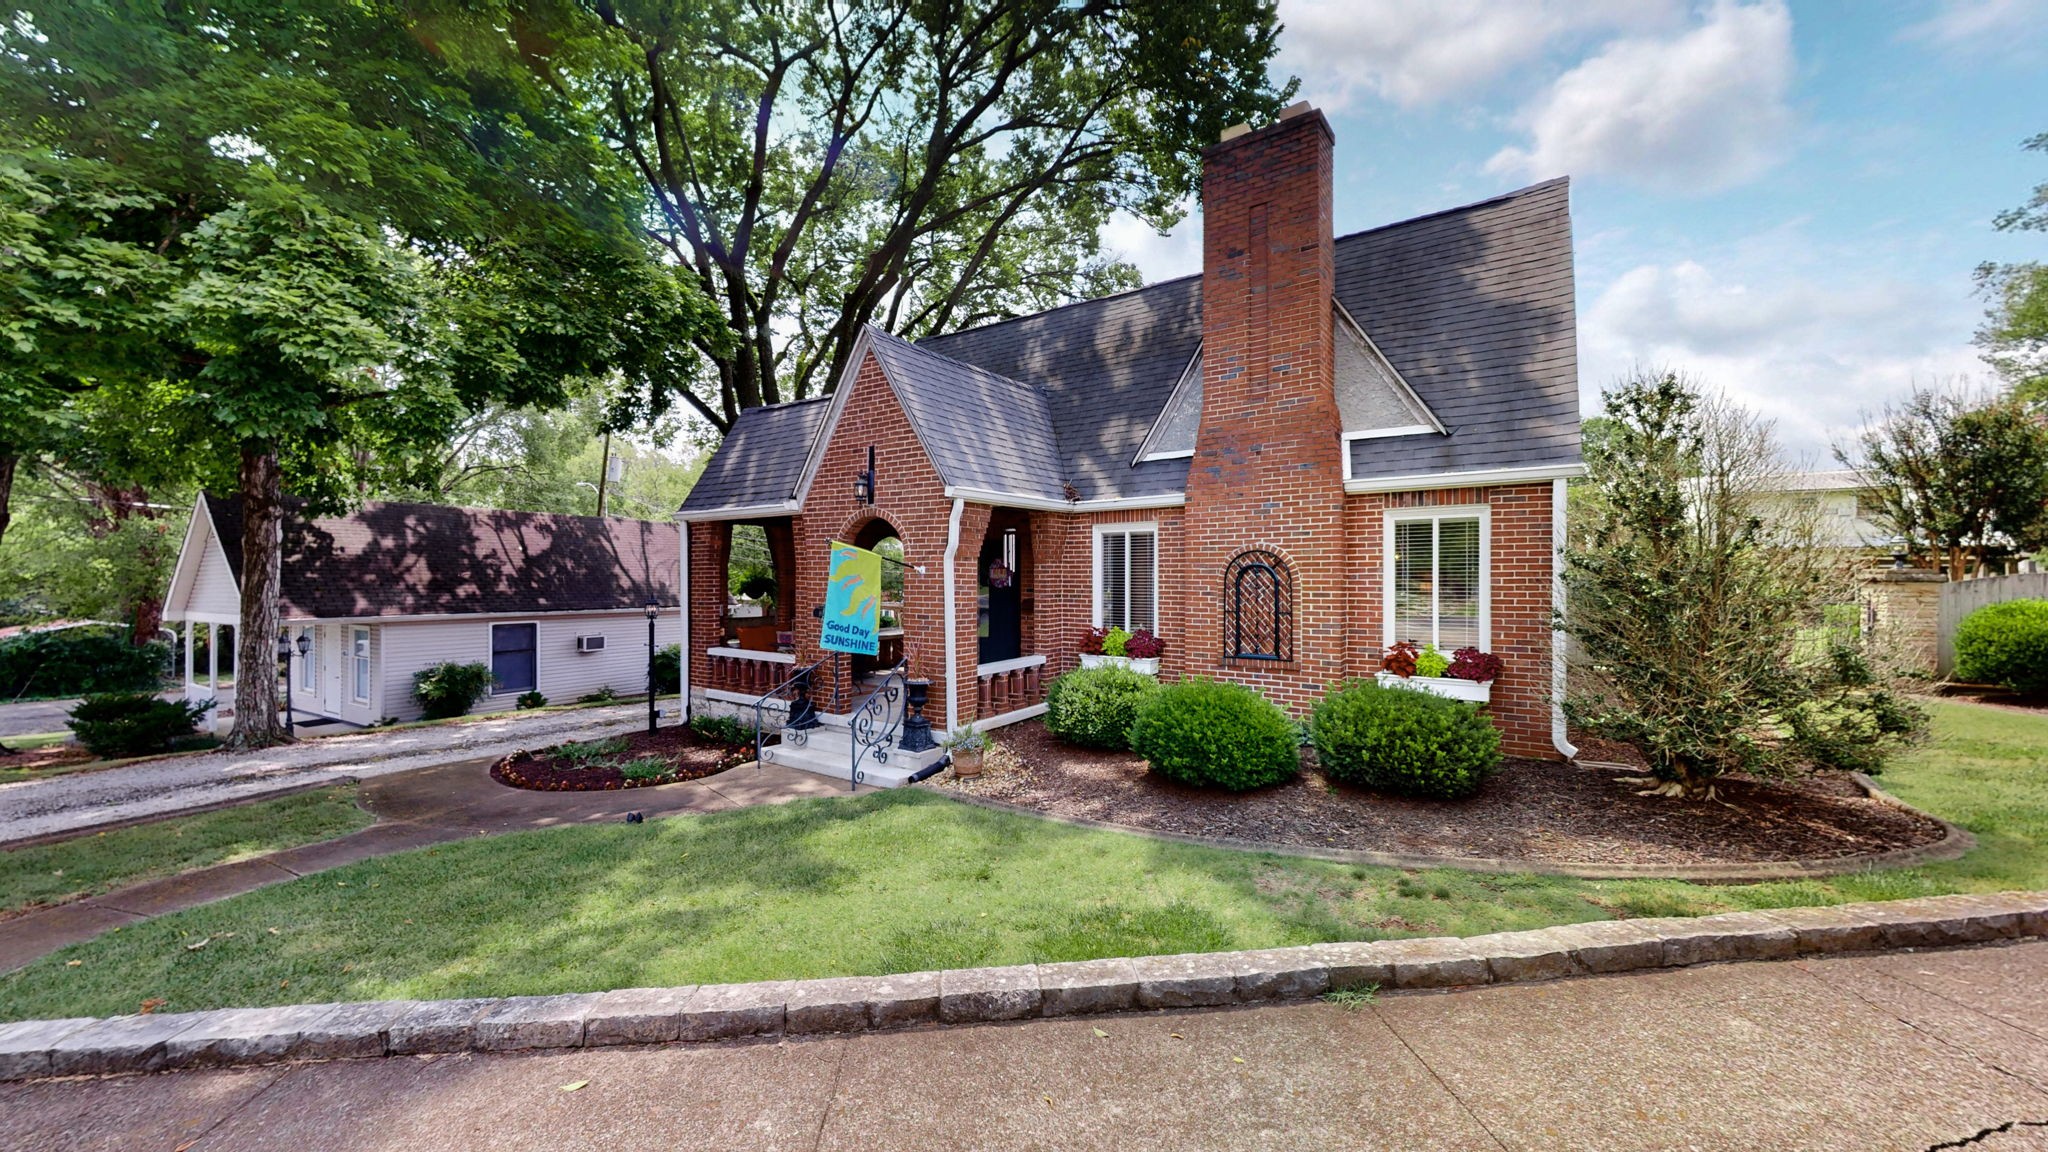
(554, 604)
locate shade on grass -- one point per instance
(907, 880)
(89, 865)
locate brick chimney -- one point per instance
(1266, 469)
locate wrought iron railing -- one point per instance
(803, 714)
(874, 722)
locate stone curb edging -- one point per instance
(238, 1036)
(1955, 843)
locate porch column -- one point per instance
(188, 657)
(213, 658)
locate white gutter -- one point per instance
(952, 633)
(1424, 480)
(1046, 504)
(683, 603)
(750, 512)
(1558, 640)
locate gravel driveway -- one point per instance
(85, 799)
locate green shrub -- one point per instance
(79, 662)
(1094, 707)
(449, 689)
(721, 729)
(1404, 741)
(592, 751)
(532, 700)
(668, 668)
(646, 768)
(603, 695)
(1213, 734)
(2005, 644)
(119, 724)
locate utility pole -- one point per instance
(604, 473)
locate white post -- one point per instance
(213, 658)
(683, 599)
(188, 658)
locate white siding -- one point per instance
(213, 588)
(563, 674)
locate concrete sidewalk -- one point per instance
(87, 799)
(1903, 1051)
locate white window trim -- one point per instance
(491, 656)
(1095, 568)
(1484, 514)
(368, 677)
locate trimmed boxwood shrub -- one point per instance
(1404, 741)
(1094, 707)
(668, 669)
(119, 724)
(2005, 644)
(1213, 734)
(449, 689)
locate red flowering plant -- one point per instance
(1091, 641)
(1400, 658)
(1143, 645)
(1472, 664)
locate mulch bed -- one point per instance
(1531, 810)
(692, 756)
(48, 756)
(1994, 697)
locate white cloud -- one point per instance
(1695, 112)
(1812, 355)
(1984, 24)
(1423, 53)
(1178, 253)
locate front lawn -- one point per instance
(906, 880)
(90, 865)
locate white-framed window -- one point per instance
(359, 664)
(515, 657)
(1127, 576)
(309, 664)
(1439, 577)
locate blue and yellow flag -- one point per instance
(853, 602)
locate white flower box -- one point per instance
(1148, 666)
(1472, 691)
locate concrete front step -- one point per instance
(828, 751)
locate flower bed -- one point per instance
(636, 760)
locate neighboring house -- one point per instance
(553, 603)
(1841, 504)
(1317, 446)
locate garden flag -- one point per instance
(853, 602)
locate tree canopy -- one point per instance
(2015, 332)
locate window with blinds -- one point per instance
(1127, 577)
(1437, 582)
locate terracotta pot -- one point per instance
(966, 764)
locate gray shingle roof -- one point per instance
(761, 459)
(981, 429)
(1473, 306)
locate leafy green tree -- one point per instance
(1962, 479)
(924, 166)
(1691, 605)
(2015, 332)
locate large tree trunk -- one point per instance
(262, 487)
(7, 465)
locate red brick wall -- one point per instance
(1267, 471)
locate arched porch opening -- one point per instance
(880, 537)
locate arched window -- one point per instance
(1258, 608)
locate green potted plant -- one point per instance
(965, 747)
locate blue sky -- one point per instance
(1785, 199)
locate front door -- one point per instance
(1001, 623)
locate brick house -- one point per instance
(1317, 446)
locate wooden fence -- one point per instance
(1960, 599)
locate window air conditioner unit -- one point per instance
(590, 643)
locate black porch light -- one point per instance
(653, 613)
(1898, 552)
(305, 644)
(864, 482)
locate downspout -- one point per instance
(1558, 639)
(952, 633)
(683, 601)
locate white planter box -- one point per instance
(1145, 667)
(1474, 691)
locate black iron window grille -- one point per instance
(1258, 608)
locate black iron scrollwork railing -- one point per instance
(874, 722)
(803, 714)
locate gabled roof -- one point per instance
(1471, 308)
(429, 560)
(761, 459)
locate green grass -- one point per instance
(90, 865)
(906, 880)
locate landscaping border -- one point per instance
(1956, 841)
(237, 1036)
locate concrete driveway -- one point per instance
(1906, 1051)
